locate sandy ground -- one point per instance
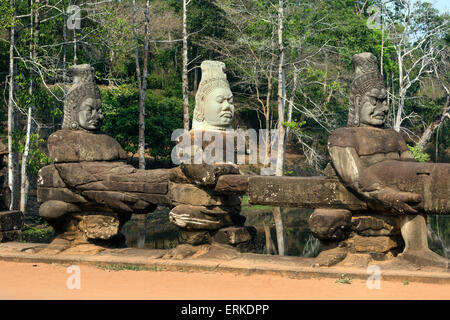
(49, 281)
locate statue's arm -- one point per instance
(348, 166)
(407, 156)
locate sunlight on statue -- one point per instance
(214, 109)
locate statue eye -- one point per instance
(373, 101)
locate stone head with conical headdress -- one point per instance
(214, 108)
(83, 105)
(367, 93)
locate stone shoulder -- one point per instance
(368, 140)
(77, 145)
(343, 137)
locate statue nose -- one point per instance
(96, 115)
(382, 107)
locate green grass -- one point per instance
(248, 207)
(37, 234)
(117, 267)
(344, 279)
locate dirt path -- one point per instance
(45, 281)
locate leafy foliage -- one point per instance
(121, 110)
(6, 14)
(418, 154)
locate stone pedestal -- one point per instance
(89, 192)
(375, 234)
(366, 233)
(11, 223)
(203, 214)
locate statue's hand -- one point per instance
(401, 202)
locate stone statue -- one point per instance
(89, 191)
(366, 141)
(214, 108)
(83, 107)
(203, 216)
(375, 162)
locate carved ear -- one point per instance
(357, 101)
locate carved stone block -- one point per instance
(11, 220)
(235, 235)
(330, 224)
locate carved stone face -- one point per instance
(219, 108)
(373, 108)
(90, 114)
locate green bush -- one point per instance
(418, 154)
(37, 234)
(163, 115)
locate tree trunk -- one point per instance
(268, 155)
(142, 84)
(141, 78)
(143, 94)
(401, 93)
(12, 114)
(281, 95)
(195, 87)
(426, 136)
(382, 41)
(281, 130)
(34, 32)
(24, 185)
(142, 223)
(270, 247)
(64, 58)
(291, 100)
(279, 227)
(185, 70)
(75, 47)
(111, 61)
